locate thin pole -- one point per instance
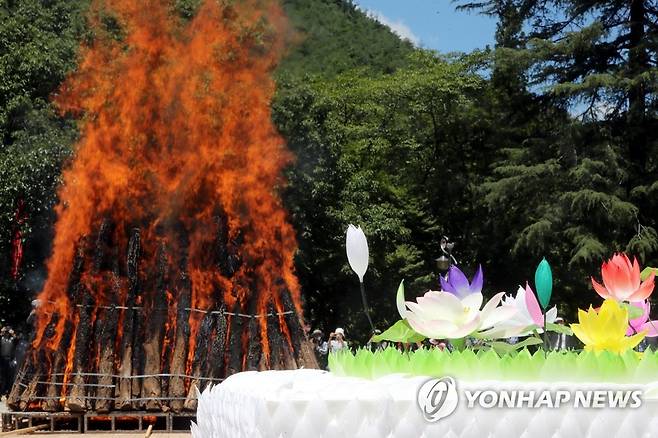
(365, 306)
(545, 334)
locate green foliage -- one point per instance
(38, 45)
(186, 8)
(502, 348)
(522, 365)
(391, 153)
(552, 154)
(559, 328)
(633, 311)
(647, 272)
(331, 37)
(575, 169)
(401, 331)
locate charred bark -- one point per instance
(23, 395)
(56, 392)
(275, 341)
(217, 345)
(77, 400)
(106, 331)
(228, 258)
(303, 352)
(151, 388)
(179, 353)
(124, 392)
(235, 342)
(199, 363)
(150, 335)
(255, 348)
(57, 372)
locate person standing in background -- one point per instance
(337, 341)
(376, 346)
(321, 348)
(7, 350)
(561, 339)
(20, 351)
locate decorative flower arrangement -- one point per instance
(528, 316)
(622, 321)
(456, 312)
(605, 330)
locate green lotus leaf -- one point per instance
(558, 328)
(633, 311)
(500, 347)
(647, 271)
(401, 331)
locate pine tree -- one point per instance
(571, 104)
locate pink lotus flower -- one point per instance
(527, 319)
(642, 323)
(621, 280)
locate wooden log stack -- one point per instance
(126, 341)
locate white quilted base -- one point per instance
(317, 404)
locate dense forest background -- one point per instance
(544, 145)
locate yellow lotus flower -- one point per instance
(605, 330)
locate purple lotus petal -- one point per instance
(478, 280)
(446, 286)
(459, 282)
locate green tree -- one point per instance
(333, 36)
(573, 180)
(38, 44)
(392, 153)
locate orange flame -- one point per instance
(176, 130)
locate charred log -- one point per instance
(218, 345)
(124, 392)
(254, 352)
(228, 257)
(24, 393)
(77, 400)
(303, 351)
(235, 342)
(151, 388)
(106, 331)
(60, 366)
(53, 403)
(179, 353)
(199, 363)
(130, 318)
(275, 341)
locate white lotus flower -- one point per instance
(357, 250)
(527, 318)
(442, 315)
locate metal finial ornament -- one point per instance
(446, 259)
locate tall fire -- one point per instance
(172, 263)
